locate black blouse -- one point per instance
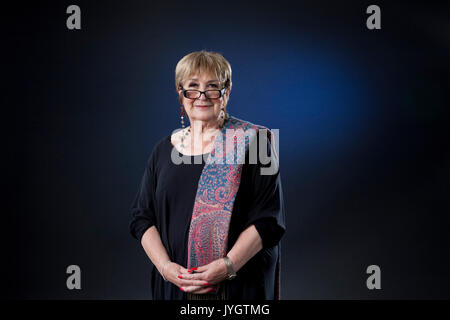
(166, 199)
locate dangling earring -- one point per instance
(184, 133)
(182, 116)
(222, 116)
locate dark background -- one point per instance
(364, 138)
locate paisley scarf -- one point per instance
(216, 192)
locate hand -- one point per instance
(213, 273)
(174, 273)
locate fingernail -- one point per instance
(207, 284)
(180, 277)
(194, 268)
(212, 289)
(190, 271)
(181, 289)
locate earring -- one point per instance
(184, 133)
(182, 116)
(223, 116)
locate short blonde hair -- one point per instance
(203, 61)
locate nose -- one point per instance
(204, 96)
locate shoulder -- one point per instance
(235, 122)
(161, 144)
(264, 149)
(259, 131)
(158, 150)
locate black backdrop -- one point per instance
(363, 118)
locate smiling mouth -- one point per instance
(203, 106)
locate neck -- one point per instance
(202, 130)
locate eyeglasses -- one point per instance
(210, 94)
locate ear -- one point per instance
(227, 95)
(180, 96)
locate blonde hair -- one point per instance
(203, 61)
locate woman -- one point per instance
(211, 229)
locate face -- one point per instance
(202, 108)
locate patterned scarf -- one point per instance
(216, 192)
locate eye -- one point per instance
(213, 85)
(192, 85)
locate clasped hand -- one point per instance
(198, 280)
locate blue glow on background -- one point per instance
(308, 88)
(363, 136)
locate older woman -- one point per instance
(211, 228)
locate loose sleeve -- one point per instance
(143, 207)
(267, 210)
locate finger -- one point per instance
(187, 283)
(197, 289)
(188, 276)
(204, 290)
(190, 288)
(192, 270)
(203, 268)
(183, 270)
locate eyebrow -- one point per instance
(206, 81)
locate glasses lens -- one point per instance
(213, 94)
(210, 94)
(192, 94)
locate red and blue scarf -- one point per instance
(216, 192)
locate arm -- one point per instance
(155, 250)
(152, 244)
(143, 227)
(247, 245)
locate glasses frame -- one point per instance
(221, 93)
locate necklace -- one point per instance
(183, 136)
(185, 132)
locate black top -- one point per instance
(166, 199)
